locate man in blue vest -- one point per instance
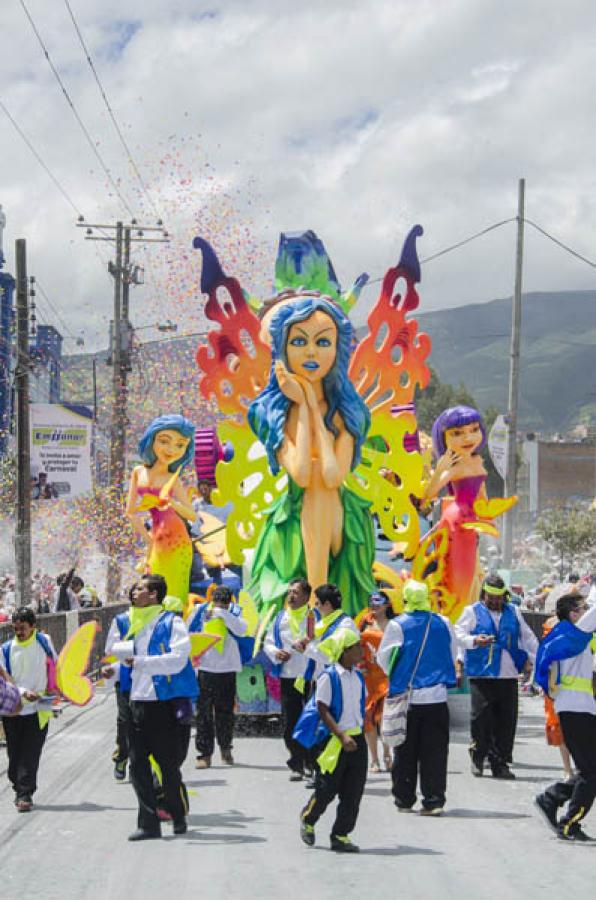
(418, 651)
(565, 671)
(498, 646)
(294, 670)
(29, 659)
(119, 628)
(157, 648)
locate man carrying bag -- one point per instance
(418, 653)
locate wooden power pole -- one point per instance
(511, 445)
(23, 523)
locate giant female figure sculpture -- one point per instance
(165, 448)
(312, 422)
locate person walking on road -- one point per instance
(294, 670)
(419, 648)
(565, 670)
(29, 659)
(217, 675)
(333, 721)
(157, 648)
(498, 645)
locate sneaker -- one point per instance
(433, 811)
(577, 836)
(120, 770)
(310, 784)
(504, 773)
(23, 804)
(296, 776)
(404, 809)
(342, 844)
(307, 833)
(227, 758)
(547, 810)
(203, 762)
(180, 827)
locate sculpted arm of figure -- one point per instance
(442, 475)
(295, 457)
(335, 454)
(179, 503)
(136, 519)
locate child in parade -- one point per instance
(333, 721)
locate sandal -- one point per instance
(375, 768)
(388, 760)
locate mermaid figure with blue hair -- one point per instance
(166, 447)
(312, 422)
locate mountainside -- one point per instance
(557, 387)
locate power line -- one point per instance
(54, 310)
(110, 110)
(75, 111)
(560, 243)
(39, 159)
(452, 247)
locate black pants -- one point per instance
(24, 743)
(292, 704)
(425, 749)
(123, 720)
(215, 712)
(346, 782)
(494, 719)
(153, 732)
(579, 732)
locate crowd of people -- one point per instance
(351, 691)
(49, 594)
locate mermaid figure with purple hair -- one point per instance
(458, 438)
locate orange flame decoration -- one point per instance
(236, 362)
(389, 362)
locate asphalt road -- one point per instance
(243, 830)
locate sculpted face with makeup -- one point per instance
(312, 347)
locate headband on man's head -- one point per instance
(494, 591)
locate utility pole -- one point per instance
(124, 275)
(23, 524)
(512, 404)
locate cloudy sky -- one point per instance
(248, 117)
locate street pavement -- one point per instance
(243, 829)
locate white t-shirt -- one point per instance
(351, 688)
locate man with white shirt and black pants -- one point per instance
(157, 648)
(217, 675)
(565, 671)
(294, 670)
(498, 646)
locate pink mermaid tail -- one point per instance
(171, 548)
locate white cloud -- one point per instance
(354, 119)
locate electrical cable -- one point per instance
(75, 112)
(110, 110)
(560, 243)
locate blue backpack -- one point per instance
(310, 730)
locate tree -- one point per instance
(570, 531)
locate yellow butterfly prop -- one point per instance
(200, 642)
(73, 662)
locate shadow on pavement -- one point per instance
(78, 807)
(213, 782)
(220, 838)
(401, 850)
(232, 819)
(484, 814)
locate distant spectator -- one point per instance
(64, 598)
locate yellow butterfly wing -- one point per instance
(73, 662)
(200, 643)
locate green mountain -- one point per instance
(557, 390)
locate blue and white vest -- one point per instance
(7, 647)
(246, 644)
(276, 669)
(125, 676)
(436, 663)
(168, 687)
(485, 662)
(310, 730)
